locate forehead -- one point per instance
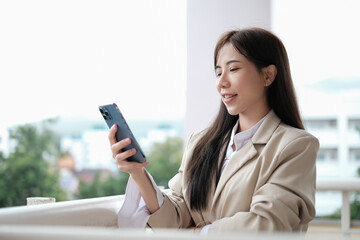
(228, 53)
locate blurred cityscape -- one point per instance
(86, 150)
(89, 151)
(334, 118)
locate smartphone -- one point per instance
(112, 115)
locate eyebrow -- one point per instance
(229, 62)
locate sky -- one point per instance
(322, 40)
(65, 58)
(322, 36)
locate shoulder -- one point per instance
(291, 143)
(274, 131)
(290, 134)
(293, 132)
(191, 143)
(196, 136)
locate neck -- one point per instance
(248, 120)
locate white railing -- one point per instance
(100, 212)
(345, 186)
(97, 219)
(82, 233)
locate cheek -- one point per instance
(256, 83)
(251, 87)
(246, 85)
(218, 85)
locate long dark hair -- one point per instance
(263, 49)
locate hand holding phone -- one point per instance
(112, 115)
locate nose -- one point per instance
(223, 81)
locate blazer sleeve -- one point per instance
(174, 213)
(284, 202)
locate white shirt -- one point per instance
(134, 213)
(239, 140)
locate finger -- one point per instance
(112, 132)
(116, 147)
(122, 156)
(145, 164)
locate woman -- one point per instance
(253, 169)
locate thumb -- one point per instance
(147, 163)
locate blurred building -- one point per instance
(331, 112)
(339, 136)
(88, 150)
(339, 153)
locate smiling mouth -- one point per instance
(227, 96)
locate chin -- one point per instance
(232, 112)
(236, 110)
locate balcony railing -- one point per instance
(97, 219)
(345, 186)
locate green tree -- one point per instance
(354, 207)
(354, 210)
(29, 170)
(165, 159)
(355, 204)
(113, 185)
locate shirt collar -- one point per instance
(241, 138)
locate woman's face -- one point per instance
(239, 83)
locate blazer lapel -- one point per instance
(237, 160)
(248, 151)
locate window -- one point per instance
(354, 155)
(327, 155)
(354, 125)
(320, 124)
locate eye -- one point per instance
(234, 69)
(218, 74)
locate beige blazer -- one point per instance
(268, 185)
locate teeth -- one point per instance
(228, 96)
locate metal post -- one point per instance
(345, 212)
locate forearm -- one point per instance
(136, 170)
(147, 191)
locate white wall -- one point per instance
(206, 21)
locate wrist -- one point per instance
(138, 175)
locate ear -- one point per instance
(269, 74)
